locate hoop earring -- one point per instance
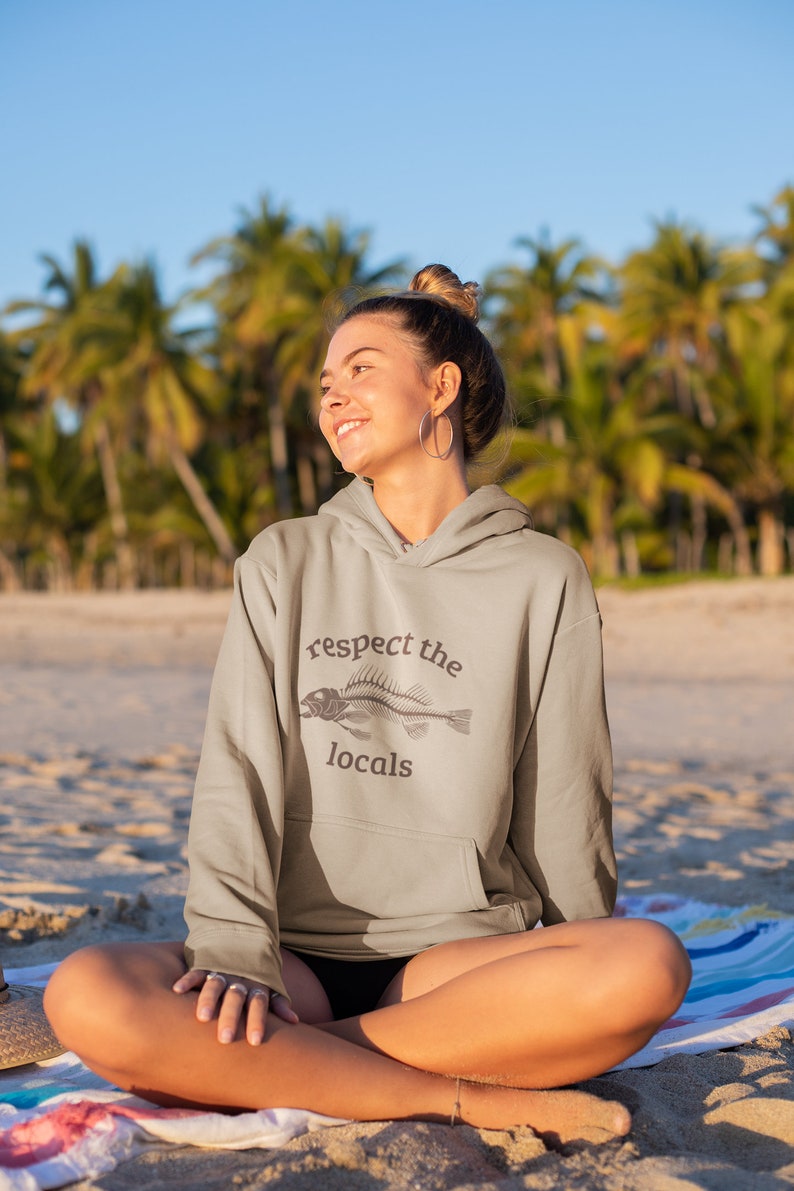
(422, 441)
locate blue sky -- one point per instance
(447, 129)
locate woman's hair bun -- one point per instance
(440, 282)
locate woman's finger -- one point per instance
(231, 999)
(211, 993)
(235, 996)
(280, 1006)
(260, 1002)
(258, 999)
(189, 980)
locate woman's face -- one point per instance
(374, 395)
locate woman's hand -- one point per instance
(232, 997)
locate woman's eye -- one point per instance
(360, 368)
(324, 389)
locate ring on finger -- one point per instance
(236, 986)
(217, 976)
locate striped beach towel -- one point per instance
(742, 974)
(60, 1123)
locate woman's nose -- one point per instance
(333, 397)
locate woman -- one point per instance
(406, 767)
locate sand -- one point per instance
(102, 701)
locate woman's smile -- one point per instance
(342, 429)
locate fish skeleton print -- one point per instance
(369, 693)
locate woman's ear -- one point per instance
(448, 379)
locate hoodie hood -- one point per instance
(487, 513)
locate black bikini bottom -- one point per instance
(353, 987)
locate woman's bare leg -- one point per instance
(115, 1007)
(535, 1010)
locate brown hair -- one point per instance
(439, 313)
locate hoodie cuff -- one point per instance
(237, 953)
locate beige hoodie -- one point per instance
(403, 747)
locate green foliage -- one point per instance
(654, 400)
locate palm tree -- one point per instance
(530, 302)
(528, 305)
(776, 234)
(272, 298)
(249, 295)
(10, 378)
(754, 446)
(11, 364)
(159, 380)
(674, 296)
(52, 511)
(330, 267)
(65, 367)
(616, 461)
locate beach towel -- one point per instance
(60, 1123)
(742, 975)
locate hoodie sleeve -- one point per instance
(561, 828)
(236, 825)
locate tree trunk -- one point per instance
(699, 532)
(306, 485)
(323, 468)
(550, 351)
(601, 528)
(744, 554)
(115, 503)
(202, 503)
(86, 566)
(187, 565)
(606, 556)
(704, 407)
(725, 554)
(279, 455)
(60, 578)
(631, 554)
(683, 552)
(770, 543)
(9, 579)
(682, 393)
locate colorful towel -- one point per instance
(60, 1123)
(742, 975)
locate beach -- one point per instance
(102, 703)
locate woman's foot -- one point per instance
(558, 1117)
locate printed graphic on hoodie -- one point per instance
(369, 693)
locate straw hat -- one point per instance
(25, 1034)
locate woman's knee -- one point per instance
(660, 966)
(95, 995)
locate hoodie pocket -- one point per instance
(380, 871)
